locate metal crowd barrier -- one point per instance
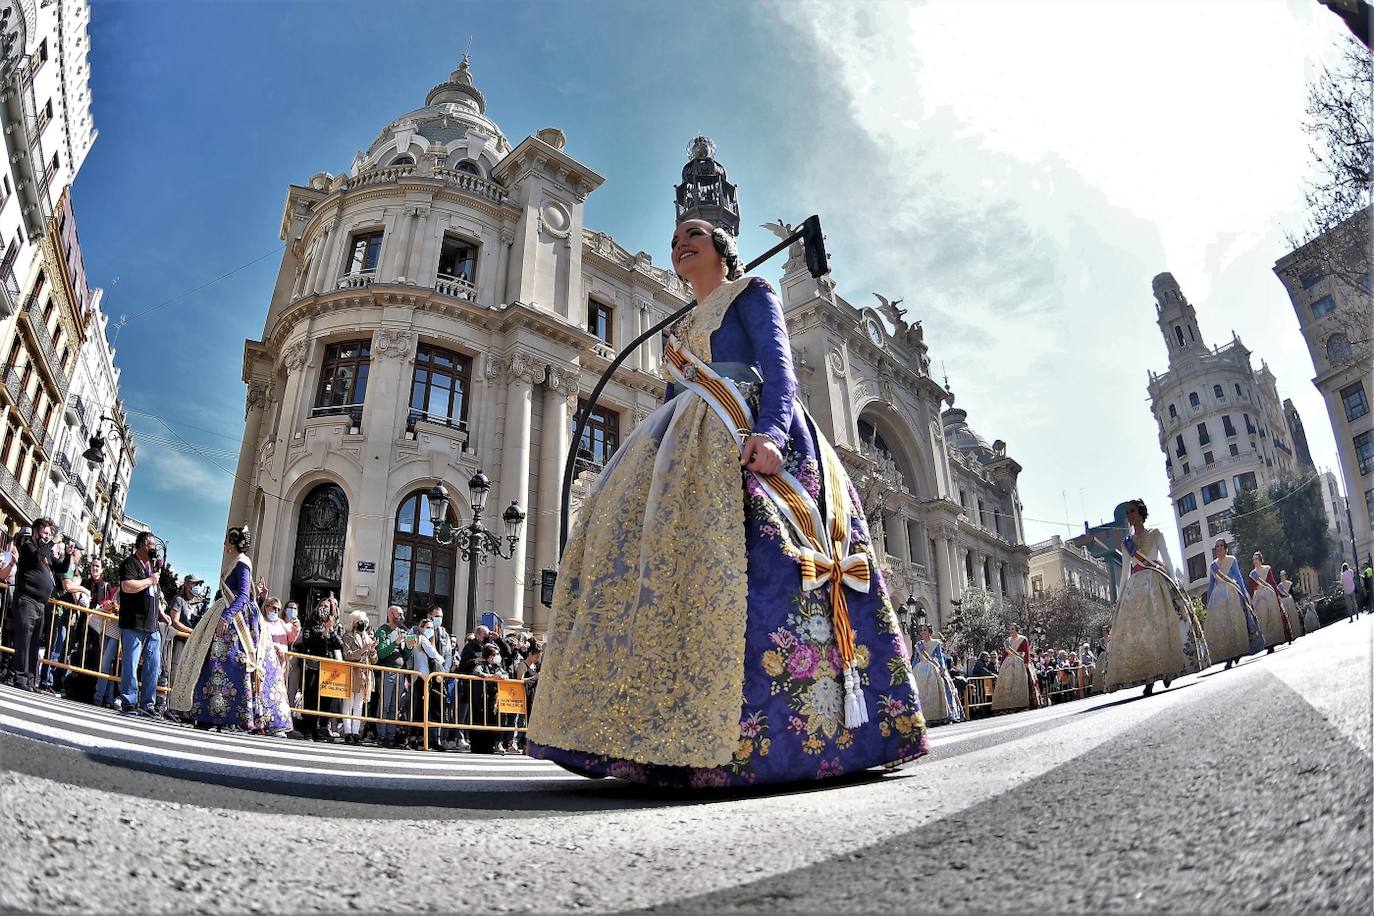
(441, 702)
(47, 658)
(978, 695)
(1068, 681)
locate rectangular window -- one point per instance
(1368, 506)
(1179, 448)
(1218, 393)
(1246, 481)
(1227, 426)
(1197, 567)
(1323, 307)
(440, 385)
(1173, 412)
(601, 437)
(1219, 522)
(1213, 492)
(1311, 278)
(363, 252)
(1356, 404)
(599, 316)
(1203, 437)
(1237, 389)
(343, 379)
(1185, 467)
(1235, 449)
(1207, 458)
(458, 260)
(1187, 503)
(1037, 585)
(1249, 427)
(1364, 451)
(1192, 534)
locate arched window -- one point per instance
(317, 568)
(1218, 393)
(1194, 400)
(405, 159)
(467, 165)
(421, 567)
(1337, 348)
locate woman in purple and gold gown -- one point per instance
(230, 673)
(719, 618)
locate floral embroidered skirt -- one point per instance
(939, 700)
(1155, 634)
(224, 693)
(1232, 630)
(791, 711)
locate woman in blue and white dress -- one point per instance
(939, 700)
(1231, 627)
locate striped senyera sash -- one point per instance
(823, 536)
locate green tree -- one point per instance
(1256, 526)
(1069, 618)
(980, 623)
(1303, 518)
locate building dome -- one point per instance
(453, 117)
(959, 434)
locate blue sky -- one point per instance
(1020, 195)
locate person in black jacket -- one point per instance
(40, 562)
(319, 638)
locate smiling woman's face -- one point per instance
(693, 252)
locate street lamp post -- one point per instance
(95, 457)
(474, 540)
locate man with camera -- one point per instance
(63, 621)
(140, 613)
(40, 561)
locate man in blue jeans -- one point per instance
(139, 615)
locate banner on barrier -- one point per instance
(334, 680)
(510, 697)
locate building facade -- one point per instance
(1222, 427)
(47, 309)
(441, 309)
(1335, 312)
(1056, 564)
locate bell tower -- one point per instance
(1177, 319)
(706, 192)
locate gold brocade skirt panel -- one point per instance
(1225, 625)
(1266, 605)
(1012, 690)
(652, 584)
(1147, 641)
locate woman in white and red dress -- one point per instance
(1264, 598)
(1016, 687)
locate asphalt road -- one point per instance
(1233, 791)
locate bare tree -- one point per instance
(1335, 241)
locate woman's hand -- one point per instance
(760, 454)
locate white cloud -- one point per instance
(1020, 171)
(186, 476)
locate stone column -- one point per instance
(515, 485)
(241, 503)
(948, 590)
(560, 399)
(320, 269)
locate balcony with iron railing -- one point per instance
(17, 495)
(455, 424)
(38, 326)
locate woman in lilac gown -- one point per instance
(719, 618)
(230, 674)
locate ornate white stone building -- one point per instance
(1222, 427)
(1335, 311)
(441, 308)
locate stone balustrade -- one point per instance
(457, 287)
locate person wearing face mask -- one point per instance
(321, 639)
(282, 633)
(291, 617)
(140, 612)
(427, 658)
